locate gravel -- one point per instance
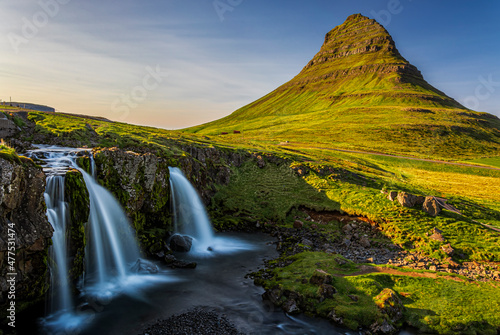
(194, 322)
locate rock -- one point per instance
(320, 277)
(144, 266)
(365, 242)
(22, 208)
(7, 127)
(431, 206)
(273, 295)
(298, 224)
(353, 297)
(290, 307)
(419, 200)
(448, 249)
(181, 243)
(326, 291)
(183, 265)
(389, 303)
(261, 163)
(407, 199)
(437, 236)
(170, 259)
(175, 263)
(383, 327)
(392, 195)
(347, 229)
(335, 318)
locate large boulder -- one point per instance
(431, 206)
(407, 199)
(392, 195)
(181, 243)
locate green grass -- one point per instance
(439, 305)
(266, 194)
(491, 161)
(8, 153)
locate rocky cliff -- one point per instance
(140, 181)
(22, 206)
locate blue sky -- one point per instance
(177, 63)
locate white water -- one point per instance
(61, 297)
(190, 218)
(111, 246)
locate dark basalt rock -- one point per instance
(181, 243)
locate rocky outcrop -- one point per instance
(431, 206)
(140, 181)
(77, 197)
(7, 127)
(22, 208)
(391, 308)
(407, 199)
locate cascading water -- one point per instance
(190, 218)
(111, 246)
(61, 298)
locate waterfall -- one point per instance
(189, 214)
(111, 247)
(61, 298)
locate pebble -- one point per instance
(195, 322)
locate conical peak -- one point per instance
(358, 34)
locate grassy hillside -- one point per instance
(358, 92)
(307, 176)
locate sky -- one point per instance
(178, 63)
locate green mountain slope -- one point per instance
(358, 92)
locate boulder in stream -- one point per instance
(181, 243)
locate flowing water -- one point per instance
(61, 298)
(114, 299)
(111, 247)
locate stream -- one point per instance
(218, 282)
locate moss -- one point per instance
(76, 195)
(9, 154)
(85, 163)
(439, 305)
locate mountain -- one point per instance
(358, 92)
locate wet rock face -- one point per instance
(22, 186)
(140, 181)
